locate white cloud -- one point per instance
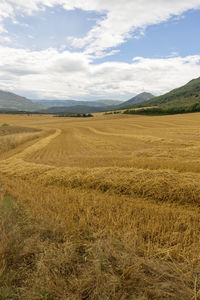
(6, 10)
(5, 39)
(122, 18)
(50, 74)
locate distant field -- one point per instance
(100, 208)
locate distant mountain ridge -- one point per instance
(95, 108)
(185, 95)
(12, 101)
(138, 99)
(74, 109)
(70, 103)
(92, 109)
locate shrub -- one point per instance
(75, 115)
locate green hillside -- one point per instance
(184, 96)
(14, 102)
(138, 99)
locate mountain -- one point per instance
(137, 99)
(109, 102)
(183, 96)
(116, 105)
(12, 101)
(70, 103)
(66, 103)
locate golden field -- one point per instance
(100, 208)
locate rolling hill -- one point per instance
(138, 99)
(11, 101)
(70, 103)
(73, 109)
(184, 96)
(104, 107)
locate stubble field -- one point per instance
(100, 208)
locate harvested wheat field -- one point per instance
(100, 208)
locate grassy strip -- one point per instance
(157, 111)
(112, 113)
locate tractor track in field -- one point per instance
(158, 184)
(16, 164)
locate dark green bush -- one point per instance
(75, 115)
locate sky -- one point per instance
(98, 49)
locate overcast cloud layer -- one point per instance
(50, 74)
(53, 74)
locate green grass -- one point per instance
(112, 113)
(158, 111)
(8, 214)
(7, 205)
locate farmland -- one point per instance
(100, 208)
